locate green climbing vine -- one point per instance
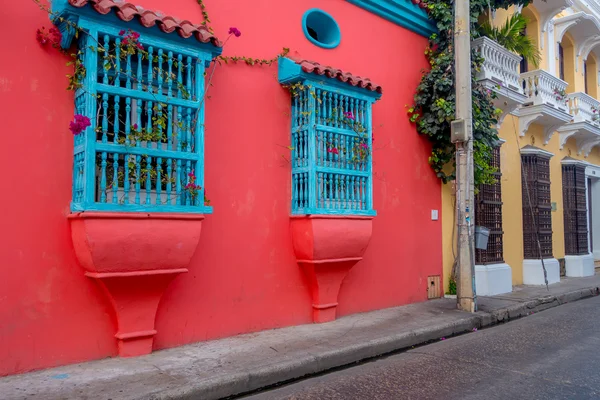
(434, 102)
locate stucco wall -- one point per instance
(243, 276)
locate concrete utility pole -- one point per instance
(462, 135)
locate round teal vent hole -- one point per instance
(321, 29)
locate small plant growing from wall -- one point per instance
(451, 287)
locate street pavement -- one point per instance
(554, 354)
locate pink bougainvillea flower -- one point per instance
(364, 145)
(79, 123)
(125, 42)
(349, 115)
(135, 126)
(53, 36)
(41, 37)
(140, 46)
(235, 32)
(333, 150)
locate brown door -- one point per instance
(590, 214)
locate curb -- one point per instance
(286, 371)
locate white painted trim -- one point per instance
(493, 279)
(551, 48)
(537, 151)
(573, 161)
(533, 273)
(593, 171)
(580, 266)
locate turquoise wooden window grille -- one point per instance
(144, 150)
(331, 142)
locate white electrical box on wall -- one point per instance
(434, 215)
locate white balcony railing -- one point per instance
(500, 65)
(543, 88)
(584, 108)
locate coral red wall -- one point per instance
(243, 276)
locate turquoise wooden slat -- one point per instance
(105, 62)
(115, 177)
(90, 60)
(188, 81)
(148, 181)
(143, 151)
(150, 70)
(178, 128)
(116, 109)
(128, 72)
(118, 62)
(170, 126)
(126, 183)
(178, 177)
(179, 76)
(147, 96)
(149, 125)
(404, 13)
(138, 176)
(103, 179)
(104, 117)
(96, 206)
(169, 180)
(158, 186)
(199, 138)
(139, 76)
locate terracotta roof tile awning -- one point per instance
(148, 18)
(312, 67)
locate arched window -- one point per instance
(561, 62)
(585, 77)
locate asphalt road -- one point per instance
(554, 354)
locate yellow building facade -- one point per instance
(549, 126)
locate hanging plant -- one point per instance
(434, 104)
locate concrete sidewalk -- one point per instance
(226, 367)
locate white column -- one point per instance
(595, 228)
(552, 48)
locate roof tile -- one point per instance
(148, 18)
(313, 67)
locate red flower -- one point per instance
(41, 37)
(333, 150)
(122, 32)
(79, 124)
(53, 36)
(235, 31)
